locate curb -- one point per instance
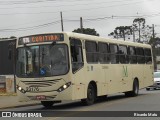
(8, 94)
(17, 106)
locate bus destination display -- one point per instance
(41, 38)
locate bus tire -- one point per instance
(91, 95)
(134, 91)
(147, 89)
(47, 104)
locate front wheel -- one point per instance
(91, 95)
(47, 104)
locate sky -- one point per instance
(27, 17)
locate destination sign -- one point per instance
(41, 38)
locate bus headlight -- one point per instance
(20, 89)
(65, 86)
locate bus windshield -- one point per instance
(42, 60)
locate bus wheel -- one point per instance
(91, 95)
(147, 89)
(135, 90)
(47, 104)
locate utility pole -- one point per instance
(61, 22)
(134, 35)
(153, 31)
(153, 47)
(81, 24)
(139, 32)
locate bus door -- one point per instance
(77, 68)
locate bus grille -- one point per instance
(45, 83)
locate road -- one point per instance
(146, 101)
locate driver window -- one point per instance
(76, 54)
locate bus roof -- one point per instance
(109, 40)
(98, 38)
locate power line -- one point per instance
(71, 4)
(30, 28)
(33, 2)
(71, 20)
(95, 8)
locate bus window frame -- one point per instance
(94, 53)
(131, 56)
(126, 59)
(106, 54)
(140, 58)
(115, 54)
(148, 56)
(82, 58)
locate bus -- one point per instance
(7, 66)
(57, 67)
(7, 59)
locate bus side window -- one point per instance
(103, 53)
(148, 58)
(76, 54)
(140, 55)
(132, 55)
(91, 52)
(123, 57)
(114, 53)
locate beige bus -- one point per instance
(56, 67)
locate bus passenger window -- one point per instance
(103, 53)
(132, 55)
(91, 52)
(140, 55)
(114, 54)
(123, 57)
(76, 54)
(148, 57)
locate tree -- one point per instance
(144, 31)
(138, 24)
(154, 42)
(138, 28)
(121, 32)
(147, 33)
(88, 31)
(12, 37)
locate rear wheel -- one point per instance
(91, 95)
(47, 104)
(155, 88)
(135, 90)
(147, 89)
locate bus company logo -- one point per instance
(6, 114)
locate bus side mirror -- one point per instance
(10, 54)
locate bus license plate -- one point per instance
(40, 97)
